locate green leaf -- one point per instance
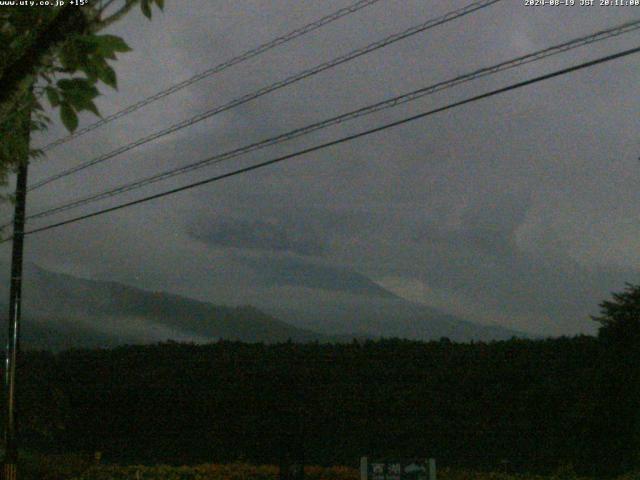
(92, 72)
(111, 43)
(52, 96)
(77, 91)
(69, 58)
(76, 84)
(69, 117)
(92, 108)
(81, 104)
(106, 52)
(108, 76)
(36, 153)
(78, 94)
(91, 67)
(160, 4)
(146, 8)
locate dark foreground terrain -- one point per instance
(525, 405)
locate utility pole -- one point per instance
(15, 297)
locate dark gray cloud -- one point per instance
(488, 228)
(520, 210)
(256, 234)
(296, 272)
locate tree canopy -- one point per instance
(540, 404)
(620, 318)
(57, 54)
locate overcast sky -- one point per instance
(520, 210)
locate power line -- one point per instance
(217, 69)
(273, 87)
(386, 104)
(345, 139)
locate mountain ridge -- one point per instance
(62, 310)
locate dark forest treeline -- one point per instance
(536, 403)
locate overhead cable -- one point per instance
(271, 88)
(359, 5)
(383, 105)
(341, 140)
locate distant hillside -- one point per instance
(244, 324)
(63, 311)
(392, 318)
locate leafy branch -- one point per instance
(55, 46)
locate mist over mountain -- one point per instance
(64, 311)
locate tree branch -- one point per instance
(70, 20)
(104, 7)
(114, 17)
